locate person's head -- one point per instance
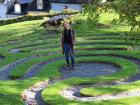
(66, 25)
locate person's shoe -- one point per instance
(73, 67)
(67, 67)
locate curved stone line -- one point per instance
(39, 39)
(2, 57)
(135, 60)
(120, 49)
(105, 43)
(19, 48)
(31, 50)
(15, 42)
(74, 94)
(125, 49)
(35, 44)
(90, 69)
(34, 70)
(112, 34)
(118, 38)
(37, 67)
(33, 94)
(4, 71)
(31, 45)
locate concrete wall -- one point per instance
(3, 11)
(60, 6)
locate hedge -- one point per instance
(33, 17)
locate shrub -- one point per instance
(29, 17)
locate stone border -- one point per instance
(73, 93)
(33, 94)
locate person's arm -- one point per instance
(73, 36)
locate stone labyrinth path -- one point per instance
(89, 70)
(1, 57)
(107, 68)
(82, 70)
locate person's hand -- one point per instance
(74, 43)
(62, 51)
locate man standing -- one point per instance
(68, 40)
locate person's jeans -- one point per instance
(68, 51)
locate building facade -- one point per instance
(21, 7)
(3, 10)
(59, 5)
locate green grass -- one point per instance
(97, 91)
(24, 34)
(54, 90)
(20, 70)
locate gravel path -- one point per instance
(89, 70)
(33, 94)
(1, 57)
(5, 71)
(73, 93)
(35, 69)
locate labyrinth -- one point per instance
(32, 67)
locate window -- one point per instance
(39, 4)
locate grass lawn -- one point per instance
(92, 45)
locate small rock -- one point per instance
(15, 51)
(24, 97)
(55, 21)
(1, 57)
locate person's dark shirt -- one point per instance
(68, 37)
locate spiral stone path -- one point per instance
(33, 95)
(1, 57)
(73, 93)
(4, 72)
(107, 57)
(89, 70)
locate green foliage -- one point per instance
(100, 90)
(52, 93)
(92, 11)
(21, 34)
(128, 11)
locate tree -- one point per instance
(128, 10)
